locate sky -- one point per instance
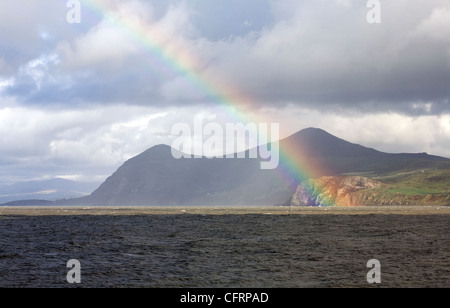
(77, 99)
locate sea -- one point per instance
(223, 248)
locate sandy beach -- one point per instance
(224, 210)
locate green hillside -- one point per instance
(421, 187)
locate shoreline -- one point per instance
(218, 210)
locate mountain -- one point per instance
(335, 156)
(154, 177)
(51, 189)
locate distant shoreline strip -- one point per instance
(6, 211)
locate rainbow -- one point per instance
(172, 55)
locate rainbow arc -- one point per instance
(171, 54)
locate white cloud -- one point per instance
(127, 28)
(104, 46)
(437, 26)
(39, 69)
(5, 83)
(83, 141)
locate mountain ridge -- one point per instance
(155, 177)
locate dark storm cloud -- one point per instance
(332, 58)
(277, 52)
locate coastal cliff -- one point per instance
(360, 191)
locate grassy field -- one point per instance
(423, 186)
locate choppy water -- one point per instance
(252, 250)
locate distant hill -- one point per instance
(51, 189)
(154, 177)
(29, 202)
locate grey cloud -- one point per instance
(222, 19)
(300, 53)
(340, 61)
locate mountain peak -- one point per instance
(317, 142)
(312, 133)
(313, 130)
(157, 151)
